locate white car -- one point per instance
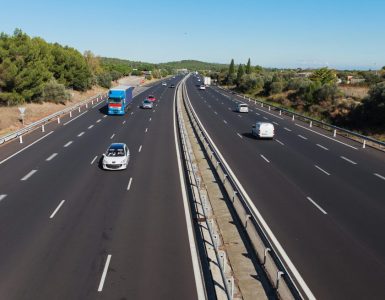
(202, 87)
(164, 83)
(263, 130)
(116, 157)
(242, 108)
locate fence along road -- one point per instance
(340, 254)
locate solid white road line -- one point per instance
(279, 142)
(322, 170)
(316, 205)
(328, 137)
(129, 184)
(112, 136)
(190, 231)
(28, 175)
(287, 129)
(94, 159)
(80, 134)
(21, 150)
(240, 135)
(2, 196)
(264, 224)
(51, 157)
(89, 127)
(69, 143)
(265, 158)
(57, 209)
(140, 148)
(104, 274)
(323, 147)
(379, 176)
(78, 116)
(98, 121)
(348, 160)
(302, 137)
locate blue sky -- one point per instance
(291, 33)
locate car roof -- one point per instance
(117, 146)
(264, 123)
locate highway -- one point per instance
(323, 197)
(70, 230)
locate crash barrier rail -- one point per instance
(363, 139)
(203, 207)
(57, 115)
(261, 238)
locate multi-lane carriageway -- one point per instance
(323, 197)
(69, 230)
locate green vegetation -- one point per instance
(315, 93)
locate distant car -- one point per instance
(202, 87)
(172, 85)
(263, 130)
(164, 83)
(147, 104)
(242, 108)
(151, 98)
(116, 157)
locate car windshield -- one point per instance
(114, 100)
(146, 102)
(115, 152)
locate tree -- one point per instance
(230, 76)
(55, 92)
(240, 73)
(248, 67)
(324, 76)
(231, 67)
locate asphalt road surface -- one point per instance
(70, 230)
(323, 197)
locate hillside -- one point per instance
(193, 65)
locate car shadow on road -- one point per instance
(104, 110)
(249, 135)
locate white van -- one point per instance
(242, 108)
(263, 130)
(202, 87)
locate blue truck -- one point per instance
(119, 99)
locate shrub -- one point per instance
(55, 92)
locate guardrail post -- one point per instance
(21, 139)
(222, 260)
(216, 167)
(364, 144)
(265, 254)
(42, 128)
(335, 132)
(279, 276)
(280, 112)
(311, 124)
(269, 107)
(79, 108)
(261, 104)
(234, 194)
(92, 102)
(230, 286)
(58, 120)
(292, 118)
(224, 178)
(71, 114)
(247, 219)
(86, 105)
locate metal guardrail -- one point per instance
(226, 281)
(45, 120)
(266, 251)
(363, 139)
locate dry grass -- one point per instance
(357, 92)
(9, 116)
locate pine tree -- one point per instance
(230, 75)
(240, 73)
(248, 67)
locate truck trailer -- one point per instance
(207, 81)
(119, 99)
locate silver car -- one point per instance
(147, 104)
(116, 157)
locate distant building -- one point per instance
(351, 80)
(303, 74)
